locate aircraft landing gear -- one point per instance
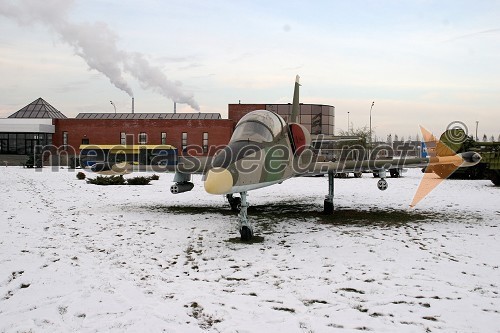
(246, 230)
(234, 202)
(328, 203)
(382, 183)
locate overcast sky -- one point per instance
(423, 62)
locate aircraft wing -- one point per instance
(458, 160)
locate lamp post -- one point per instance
(113, 105)
(348, 123)
(371, 107)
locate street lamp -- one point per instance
(371, 107)
(348, 123)
(113, 105)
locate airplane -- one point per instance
(265, 150)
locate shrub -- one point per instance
(138, 181)
(34, 161)
(154, 177)
(117, 180)
(80, 175)
(110, 180)
(74, 162)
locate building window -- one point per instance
(163, 138)
(143, 138)
(184, 141)
(205, 142)
(123, 138)
(85, 141)
(65, 140)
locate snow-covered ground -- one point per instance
(87, 258)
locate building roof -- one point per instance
(38, 109)
(126, 148)
(168, 116)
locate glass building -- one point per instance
(316, 118)
(31, 127)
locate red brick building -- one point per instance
(40, 124)
(203, 133)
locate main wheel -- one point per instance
(246, 233)
(394, 173)
(358, 175)
(235, 203)
(328, 207)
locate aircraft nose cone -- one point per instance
(218, 181)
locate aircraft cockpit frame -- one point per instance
(260, 126)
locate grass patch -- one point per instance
(309, 302)
(284, 309)
(352, 290)
(286, 210)
(381, 217)
(255, 240)
(360, 308)
(235, 279)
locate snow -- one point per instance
(82, 257)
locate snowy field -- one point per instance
(86, 258)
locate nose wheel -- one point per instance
(382, 184)
(246, 233)
(328, 203)
(246, 230)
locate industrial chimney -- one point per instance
(175, 107)
(132, 105)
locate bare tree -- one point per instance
(363, 133)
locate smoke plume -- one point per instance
(95, 43)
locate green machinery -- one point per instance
(488, 168)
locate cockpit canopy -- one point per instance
(258, 126)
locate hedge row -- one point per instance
(119, 180)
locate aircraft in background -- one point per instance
(265, 150)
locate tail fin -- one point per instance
(295, 106)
